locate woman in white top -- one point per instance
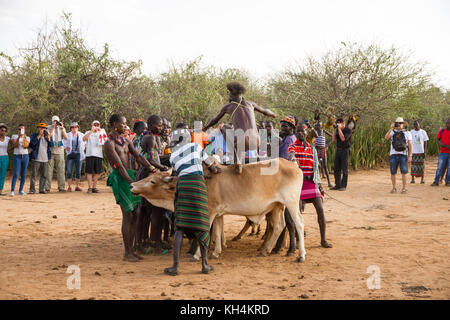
(4, 158)
(21, 158)
(74, 145)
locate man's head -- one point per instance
(55, 120)
(416, 125)
(287, 126)
(3, 129)
(340, 122)
(318, 126)
(41, 127)
(118, 123)
(96, 124)
(167, 126)
(20, 127)
(155, 124)
(74, 127)
(270, 125)
(139, 127)
(448, 124)
(236, 90)
(181, 125)
(262, 125)
(300, 132)
(399, 123)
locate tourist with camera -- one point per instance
(343, 137)
(40, 144)
(57, 133)
(401, 151)
(20, 142)
(74, 145)
(94, 140)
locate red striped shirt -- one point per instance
(304, 157)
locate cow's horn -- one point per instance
(167, 179)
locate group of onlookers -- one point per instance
(409, 147)
(52, 149)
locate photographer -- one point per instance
(58, 133)
(343, 137)
(94, 139)
(401, 151)
(41, 154)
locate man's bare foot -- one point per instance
(172, 271)
(130, 258)
(207, 269)
(238, 168)
(325, 244)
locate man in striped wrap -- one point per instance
(306, 156)
(191, 199)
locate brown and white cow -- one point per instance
(253, 194)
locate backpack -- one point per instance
(399, 141)
(440, 134)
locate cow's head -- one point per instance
(158, 188)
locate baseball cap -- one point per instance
(42, 125)
(95, 121)
(55, 118)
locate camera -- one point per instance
(335, 125)
(58, 123)
(396, 125)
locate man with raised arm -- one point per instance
(243, 117)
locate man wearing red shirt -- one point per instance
(444, 156)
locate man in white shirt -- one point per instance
(58, 134)
(94, 139)
(401, 151)
(419, 147)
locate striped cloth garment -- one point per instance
(304, 156)
(187, 159)
(320, 142)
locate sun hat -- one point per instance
(3, 125)
(74, 124)
(55, 118)
(95, 121)
(400, 120)
(42, 125)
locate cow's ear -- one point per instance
(167, 179)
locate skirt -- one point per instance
(310, 190)
(418, 165)
(191, 207)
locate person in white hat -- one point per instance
(58, 134)
(75, 155)
(401, 151)
(94, 139)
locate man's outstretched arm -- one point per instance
(214, 120)
(264, 111)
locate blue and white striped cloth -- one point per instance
(188, 159)
(320, 142)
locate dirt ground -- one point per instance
(405, 236)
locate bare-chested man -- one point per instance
(243, 117)
(151, 147)
(116, 150)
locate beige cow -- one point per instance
(252, 194)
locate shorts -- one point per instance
(398, 159)
(94, 165)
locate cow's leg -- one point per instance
(279, 242)
(278, 224)
(258, 231)
(293, 208)
(217, 234)
(268, 233)
(292, 234)
(243, 231)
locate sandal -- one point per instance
(394, 190)
(95, 190)
(403, 191)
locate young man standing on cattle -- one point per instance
(191, 199)
(151, 148)
(116, 150)
(243, 117)
(306, 156)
